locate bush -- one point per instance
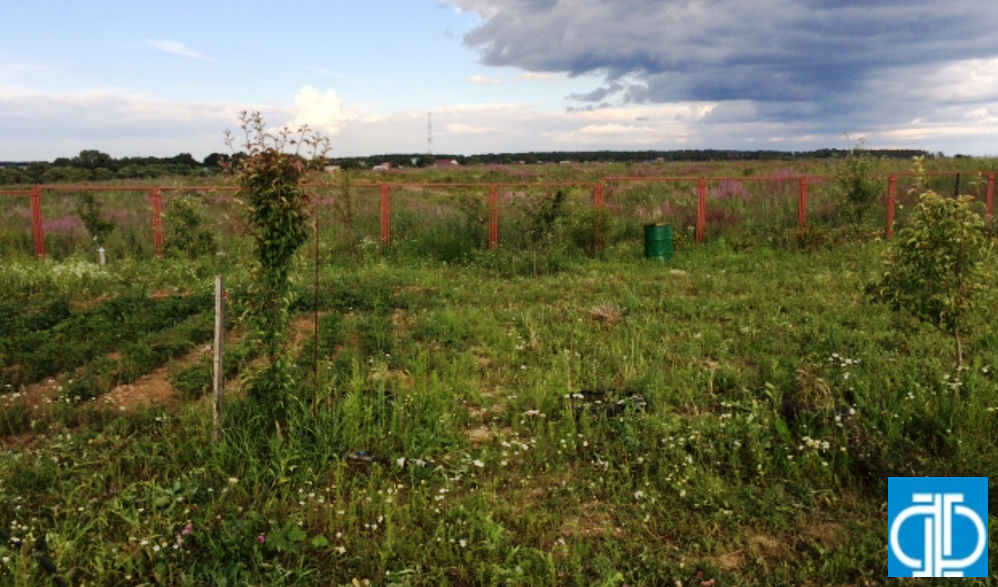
(186, 234)
(856, 186)
(935, 266)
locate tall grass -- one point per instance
(460, 441)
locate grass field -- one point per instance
(502, 418)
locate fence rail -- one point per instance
(599, 190)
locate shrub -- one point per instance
(186, 233)
(277, 210)
(856, 186)
(934, 266)
(93, 217)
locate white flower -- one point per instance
(478, 463)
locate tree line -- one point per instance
(552, 157)
(93, 165)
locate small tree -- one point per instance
(277, 210)
(934, 265)
(187, 235)
(93, 218)
(856, 187)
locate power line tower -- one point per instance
(429, 134)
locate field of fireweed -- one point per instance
(515, 417)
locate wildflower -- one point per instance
(478, 463)
(187, 529)
(261, 538)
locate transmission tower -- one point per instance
(429, 134)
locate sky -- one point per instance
(157, 78)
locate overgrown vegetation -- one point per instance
(501, 418)
(188, 233)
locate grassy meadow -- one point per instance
(540, 414)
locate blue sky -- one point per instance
(161, 78)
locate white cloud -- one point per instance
(45, 126)
(964, 81)
(326, 112)
(483, 80)
(533, 75)
(609, 134)
(459, 128)
(176, 48)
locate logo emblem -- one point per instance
(937, 526)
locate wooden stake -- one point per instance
(218, 382)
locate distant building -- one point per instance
(332, 169)
(445, 163)
(382, 167)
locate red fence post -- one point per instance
(37, 221)
(493, 216)
(386, 214)
(802, 206)
(598, 205)
(990, 213)
(156, 200)
(892, 188)
(701, 209)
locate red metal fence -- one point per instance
(598, 188)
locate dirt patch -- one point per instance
(301, 327)
(730, 561)
(828, 535)
(766, 545)
(37, 396)
(151, 389)
(479, 435)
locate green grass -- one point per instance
(777, 404)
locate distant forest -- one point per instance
(546, 157)
(92, 165)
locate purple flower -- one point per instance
(261, 538)
(187, 529)
(729, 190)
(67, 226)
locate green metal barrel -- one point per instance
(658, 242)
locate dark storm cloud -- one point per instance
(810, 58)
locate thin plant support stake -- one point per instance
(218, 379)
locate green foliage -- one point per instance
(277, 211)
(481, 471)
(186, 232)
(93, 217)
(64, 341)
(934, 266)
(856, 186)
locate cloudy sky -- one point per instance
(161, 78)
